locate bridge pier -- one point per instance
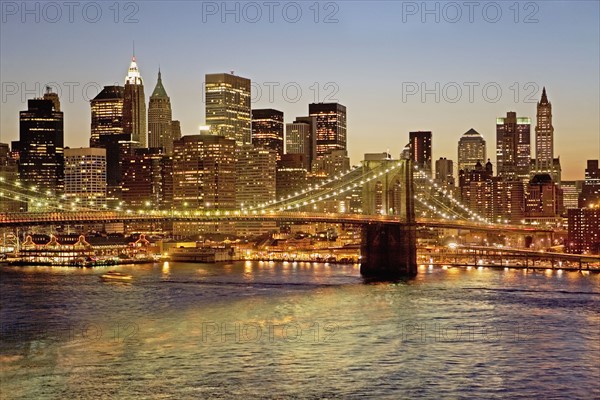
(388, 251)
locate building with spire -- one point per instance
(545, 163)
(134, 105)
(471, 149)
(160, 134)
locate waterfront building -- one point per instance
(85, 176)
(513, 148)
(134, 105)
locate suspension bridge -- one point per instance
(388, 216)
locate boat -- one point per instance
(116, 276)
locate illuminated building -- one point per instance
(571, 191)
(471, 149)
(331, 126)
(544, 200)
(175, 130)
(228, 107)
(300, 138)
(40, 146)
(513, 149)
(160, 134)
(267, 130)
(420, 150)
(291, 175)
(492, 197)
(255, 184)
(331, 164)
(85, 176)
(590, 190)
(142, 184)
(134, 105)
(444, 171)
(584, 230)
(204, 168)
(9, 173)
(107, 114)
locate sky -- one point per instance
(398, 66)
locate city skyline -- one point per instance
(574, 98)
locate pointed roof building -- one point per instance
(159, 89)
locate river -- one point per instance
(297, 330)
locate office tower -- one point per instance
(85, 176)
(134, 105)
(291, 175)
(444, 171)
(142, 184)
(471, 149)
(204, 168)
(255, 174)
(420, 150)
(513, 151)
(544, 135)
(40, 146)
(175, 130)
(107, 113)
(300, 138)
(117, 147)
(492, 197)
(53, 97)
(331, 126)
(590, 190)
(228, 107)
(267, 130)
(571, 191)
(9, 174)
(160, 119)
(544, 200)
(255, 184)
(331, 164)
(584, 230)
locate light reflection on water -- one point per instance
(265, 329)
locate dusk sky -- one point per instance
(372, 60)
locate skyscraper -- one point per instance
(40, 146)
(228, 107)
(204, 169)
(471, 149)
(8, 174)
(420, 150)
(85, 176)
(107, 113)
(590, 190)
(267, 130)
(544, 135)
(513, 150)
(160, 119)
(300, 138)
(444, 171)
(331, 126)
(134, 105)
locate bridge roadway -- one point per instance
(79, 217)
